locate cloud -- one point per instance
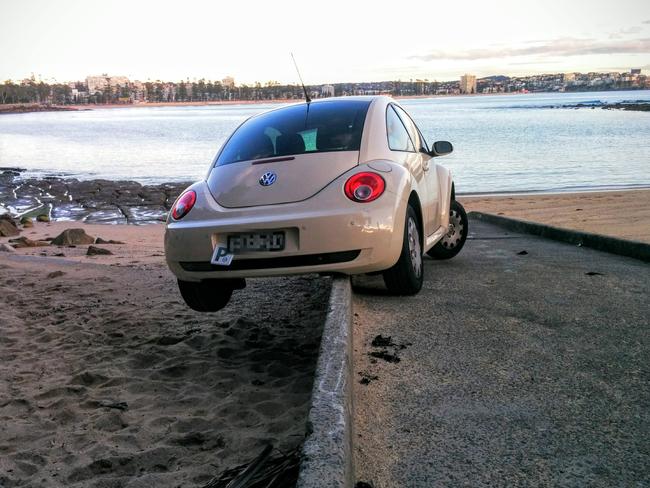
(533, 62)
(557, 47)
(625, 31)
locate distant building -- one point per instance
(100, 83)
(468, 84)
(327, 91)
(635, 71)
(96, 83)
(569, 77)
(118, 81)
(228, 81)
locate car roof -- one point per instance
(350, 98)
(356, 98)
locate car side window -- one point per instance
(410, 127)
(398, 137)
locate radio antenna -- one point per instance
(301, 82)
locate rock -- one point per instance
(8, 226)
(25, 242)
(99, 200)
(95, 251)
(43, 218)
(55, 274)
(6, 248)
(72, 237)
(104, 241)
(26, 222)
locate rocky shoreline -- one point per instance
(627, 105)
(91, 201)
(23, 108)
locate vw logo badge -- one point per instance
(267, 179)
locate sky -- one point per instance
(332, 40)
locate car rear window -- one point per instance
(298, 129)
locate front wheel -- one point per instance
(454, 240)
(406, 276)
(208, 295)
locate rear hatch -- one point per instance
(244, 184)
(289, 154)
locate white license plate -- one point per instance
(256, 242)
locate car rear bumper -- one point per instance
(326, 234)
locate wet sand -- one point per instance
(624, 214)
(108, 379)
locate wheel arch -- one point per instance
(414, 201)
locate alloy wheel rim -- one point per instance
(452, 238)
(415, 250)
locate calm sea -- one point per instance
(509, 143)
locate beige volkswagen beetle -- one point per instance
(340, 185)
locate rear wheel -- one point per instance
(406, 276)
(208, 295)
(454, 240)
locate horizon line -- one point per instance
(32, 77)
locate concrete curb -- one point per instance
(613, 245)
(327, 451)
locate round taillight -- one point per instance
(183, 205)
(364, 187)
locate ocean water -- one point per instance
(509, 143)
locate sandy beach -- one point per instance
(624, 214)
(108, 379)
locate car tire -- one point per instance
(208, 295)
(407, 275)
(452, 242)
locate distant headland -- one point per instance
(35, 95)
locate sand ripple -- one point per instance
(107, 379)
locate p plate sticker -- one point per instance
(221, 257)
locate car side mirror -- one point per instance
(441, 148)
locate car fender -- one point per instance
(401, 183)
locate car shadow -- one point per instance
(369, 285)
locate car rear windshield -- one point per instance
(299, 129)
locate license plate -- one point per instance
(255, 242)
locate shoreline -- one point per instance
(571, 191)
(29, 174)
(100, 201)
(18, 108)
(33, 107)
